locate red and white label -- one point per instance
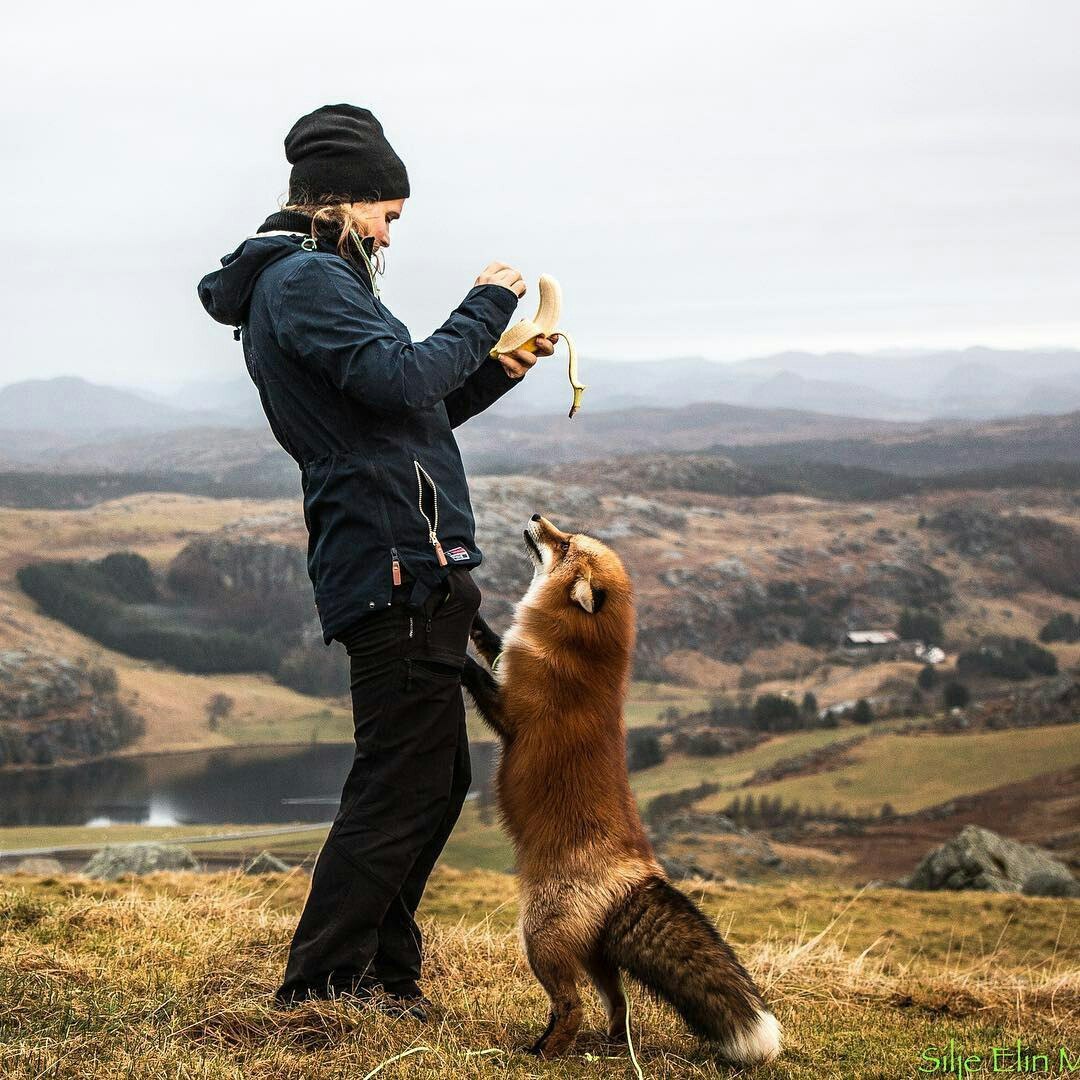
(458, 554)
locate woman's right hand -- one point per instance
(498, 273)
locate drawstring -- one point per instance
(367, 261)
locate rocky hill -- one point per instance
(53, 709)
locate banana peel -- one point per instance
(523, 335)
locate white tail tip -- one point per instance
(755, 1045)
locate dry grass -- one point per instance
(170, 976)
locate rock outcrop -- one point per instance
(114, 861)
(977, 858)
(211, 566)
(56, 709)
(39, 866)
(265, 863)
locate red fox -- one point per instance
(594, 900)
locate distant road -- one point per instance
(216, 838)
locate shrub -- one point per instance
(773, 712)
(671, 802)
(643, 749)
(218, 706)
(816, 632)
(1007, 658)
(862, 713)
(73, 593)
(314, 669)
(927, 677)
(955, 695)
(102, 679)
(129, 577)
(1062, 627)
(724, 712)
(920, 626)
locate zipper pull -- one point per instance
(438, 550)
(395, 567)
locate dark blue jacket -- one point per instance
(365, 412)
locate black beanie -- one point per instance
(340, 150)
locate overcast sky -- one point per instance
(719, 180)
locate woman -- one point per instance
(368, 416)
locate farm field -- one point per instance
(915, 771)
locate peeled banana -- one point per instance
(523, 335)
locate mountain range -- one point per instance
(917, 413)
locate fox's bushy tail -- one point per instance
(661, 938)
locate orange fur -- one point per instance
(583, 858)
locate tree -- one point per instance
(927, 677)
(815, 632)
(862, 713)
(643, 750)
(955, 695)
(1007, 658)
(218, 706)
(810, 705)
(920, 626)
(773, 712)
(1062, 627)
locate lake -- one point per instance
(243, 786)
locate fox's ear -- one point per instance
(592, 600)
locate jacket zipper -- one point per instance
(395, 566)
(433, 526)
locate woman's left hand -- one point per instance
(519, 361)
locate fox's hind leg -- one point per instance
(488, 643)
(605, 977)
(559, 975)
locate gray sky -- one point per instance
(726, 181)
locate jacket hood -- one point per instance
(226, 293)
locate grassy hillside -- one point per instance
(875, 557)
(170, 976)
(916, 771)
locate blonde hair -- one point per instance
(337, 216)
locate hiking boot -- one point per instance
(361, 988)
(404, 999)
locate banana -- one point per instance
(523, 335)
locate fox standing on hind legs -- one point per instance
(594, 900)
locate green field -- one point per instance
(915, 771)
(681, 771)
(332, 724)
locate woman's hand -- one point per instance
(498, 273)
(519, 361)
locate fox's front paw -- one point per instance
(488, 643)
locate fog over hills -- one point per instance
(975, 383)
(862, 406)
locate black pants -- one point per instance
(409, 778)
